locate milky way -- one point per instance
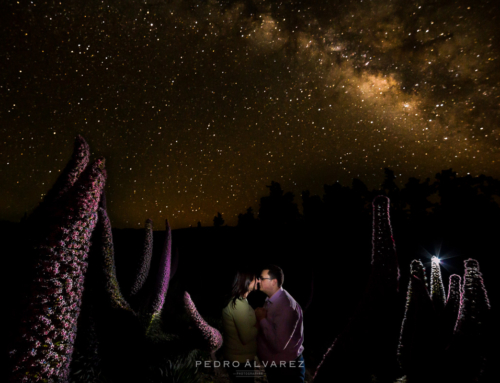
(198, 105)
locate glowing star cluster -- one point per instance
(198, 105)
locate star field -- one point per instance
(198, 105)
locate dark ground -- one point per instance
(326, 268)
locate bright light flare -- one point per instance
(436, 260)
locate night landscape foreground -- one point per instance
(88, 303)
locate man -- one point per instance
(279, 342)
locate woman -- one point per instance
(240, 327)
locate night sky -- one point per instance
(198, 105)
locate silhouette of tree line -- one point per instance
(446, 202)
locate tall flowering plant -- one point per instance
(474, 302)
(468, 350)
(385, 271)
(369, 335)
(211, 336)
(162, 278)
(445, 340)
(450, 312)
(108, 257)
(417, 276)
(145, 260)
(438, 295)
(453, 301)
(418, 328)
(45, 347)
(143, 325)
(146, 338)
(48, 214)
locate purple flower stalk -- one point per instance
(211, 336)
(450, 313)
(416, 270)
(437, 287)
(163, 276)
(145, 261)
(384, 259)
(418, 320)
(468, 351)
(474, 303)
(108, 252)
(453, 301)
(49, 325)
(369, 333)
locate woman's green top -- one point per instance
(240, 333)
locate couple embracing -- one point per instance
(274, 333)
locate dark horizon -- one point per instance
(407, 194)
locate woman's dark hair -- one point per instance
(241, 281)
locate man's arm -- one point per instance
(278, 330)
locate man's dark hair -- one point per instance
(275, 272)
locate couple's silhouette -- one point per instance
(271, 336)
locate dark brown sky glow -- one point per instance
(197, 105)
